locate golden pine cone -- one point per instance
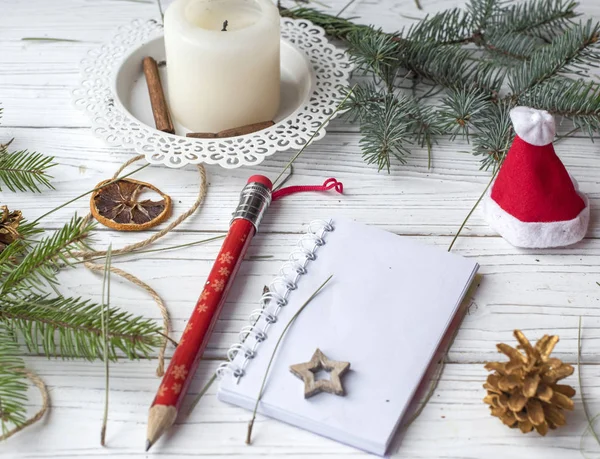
(9, 226)
(523, 392)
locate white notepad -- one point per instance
(386, 309)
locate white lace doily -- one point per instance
(97, 96)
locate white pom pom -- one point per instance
(533, 126)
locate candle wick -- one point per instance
(225, 24)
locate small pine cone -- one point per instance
(523, 392)
(9, 225)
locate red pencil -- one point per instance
(254, 201)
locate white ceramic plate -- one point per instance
(114, 94)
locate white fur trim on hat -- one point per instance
(536, 234)
(533, 126)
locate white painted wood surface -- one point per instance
(541, 291)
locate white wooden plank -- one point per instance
(456, 424)
(410, 200)
(543, 291)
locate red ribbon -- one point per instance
(329, 184)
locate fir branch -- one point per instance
(13, 389)
(569, 53)
(523, 46)
(72, 328)
(446, 28)
(544, 19)
(509, 48)
(460, 109)
(334, 26)
(486, 77)
(373, 51)
(387, 131)
(24, 170)
(446, 66)
(494, 134)
(577, 100)
(42, 263)
(428, 125)
(359, 100)
(482, 12)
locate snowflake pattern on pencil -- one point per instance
(202, 307)
(181, 341)
(243, 238)
(204, 295)
(226, 258)
(176, 388)
(179, 372)
(224, 271)
(188, 328)
(161, 390)
(219, 285)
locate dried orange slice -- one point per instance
(118, 205)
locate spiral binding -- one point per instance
(276, 298)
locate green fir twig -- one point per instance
(470, 57)
(24, 170)
(39, 267)
(13, 388)
(72, 327)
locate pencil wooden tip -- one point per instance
(160, 418)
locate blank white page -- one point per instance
(385, 311)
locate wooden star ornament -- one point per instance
(306, 372)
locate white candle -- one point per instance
(222, 79)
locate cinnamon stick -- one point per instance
(234, 132)
(247, 129)
(202, 135)
(160, 110)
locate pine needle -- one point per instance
(202, 392)
(473, 209)
(89, 192)
(264, 381)
(104, 315)
(47, 39)
(345, 7)
(312, 137)
(163, 249)
(160, 10)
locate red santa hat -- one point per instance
(534, 202)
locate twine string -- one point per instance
(86, 255)
(37, 381)
(160, 369)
